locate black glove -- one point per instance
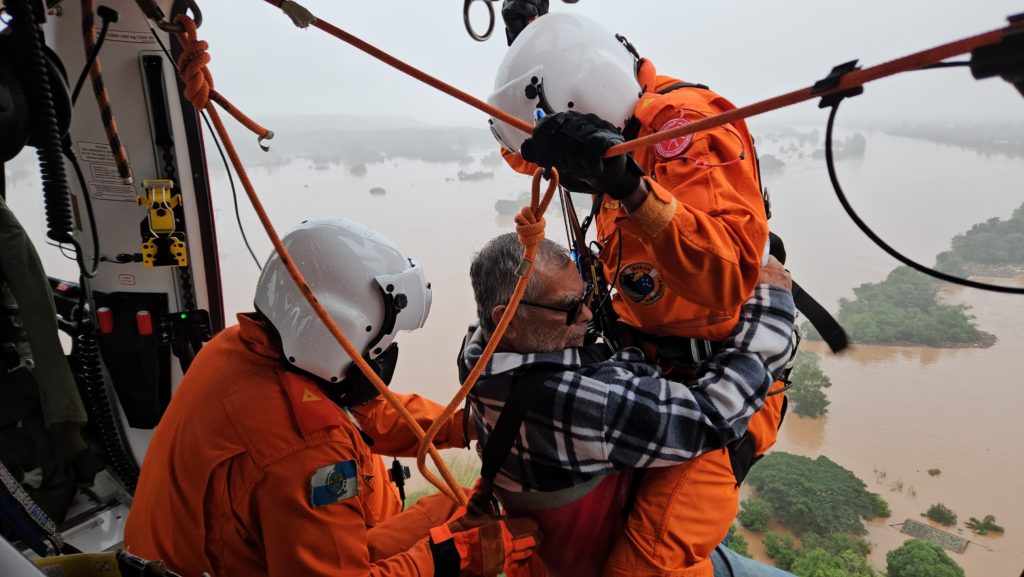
(575, 143)
(518, 13)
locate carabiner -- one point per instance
(469, 27)
(154, 13)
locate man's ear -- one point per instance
(496, 313)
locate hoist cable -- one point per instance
(830, 163)
(406, 68)
(850, 80)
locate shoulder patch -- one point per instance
(641, 283)
(333, 483)
(673, 148)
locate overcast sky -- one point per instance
(747, 51)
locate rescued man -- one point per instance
(262, 463)
(682, 229)
(589, 421)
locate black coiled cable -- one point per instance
(101, 413)
(28, 38)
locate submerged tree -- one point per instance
(815, 495)
(781, 549)
(821, 563)
(985, 526)
(916, 558)
(755, 514)
(904, 308)
(941, 514)
(994, 241)
(737, 542)
(807, 396)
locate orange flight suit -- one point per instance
(683, 263)
(227, 482)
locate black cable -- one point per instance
(93, 55)
(234, 193)
(223, 158)
(952, 64)
(87, 199)
(28, 38)
(829, 161)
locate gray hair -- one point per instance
(493, 273)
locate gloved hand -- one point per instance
(518, 13)
(575, 143)
(484, 545)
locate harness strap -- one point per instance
(679, 85)
(677, 350)
(523, 390)
(823, 321)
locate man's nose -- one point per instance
(585, 314)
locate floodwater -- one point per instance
(896, 411)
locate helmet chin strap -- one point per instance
(393, 305)
(355, 389)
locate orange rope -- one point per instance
(530, 227)
(415, 72)
(850, 80)
(199, 82)
(192, 68)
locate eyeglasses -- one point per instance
(571, 310)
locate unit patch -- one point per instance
(333, 483)
(676, 146)
(640, 282)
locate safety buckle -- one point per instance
(832, 81)
(1004, 58)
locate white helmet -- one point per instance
(564, 62)
(365, 283)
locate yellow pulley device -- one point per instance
(163, 240)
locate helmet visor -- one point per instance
(411, 294)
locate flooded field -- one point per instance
(896, 411)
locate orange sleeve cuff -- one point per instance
(654, 214)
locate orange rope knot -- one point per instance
(192, 64)
(530, 220)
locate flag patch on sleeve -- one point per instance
(333, 483)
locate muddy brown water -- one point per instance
(897, 411)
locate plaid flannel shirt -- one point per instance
(590, 421)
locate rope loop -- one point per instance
(530, 221)
(192, 64)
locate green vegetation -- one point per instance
(905, 309)
(465, 469)
(807, 397)
(835, 555)
(941, 514)
(820, 563)
(755, 514)
(993, 242)
(781, 549)
(950, 263)
(825, 505)
(815, 495)
(985, 526)
(738, 542)
(916, 558)
(934, 472)
(836, 543)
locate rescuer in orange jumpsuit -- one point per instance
(262, 463)
(683, 231)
